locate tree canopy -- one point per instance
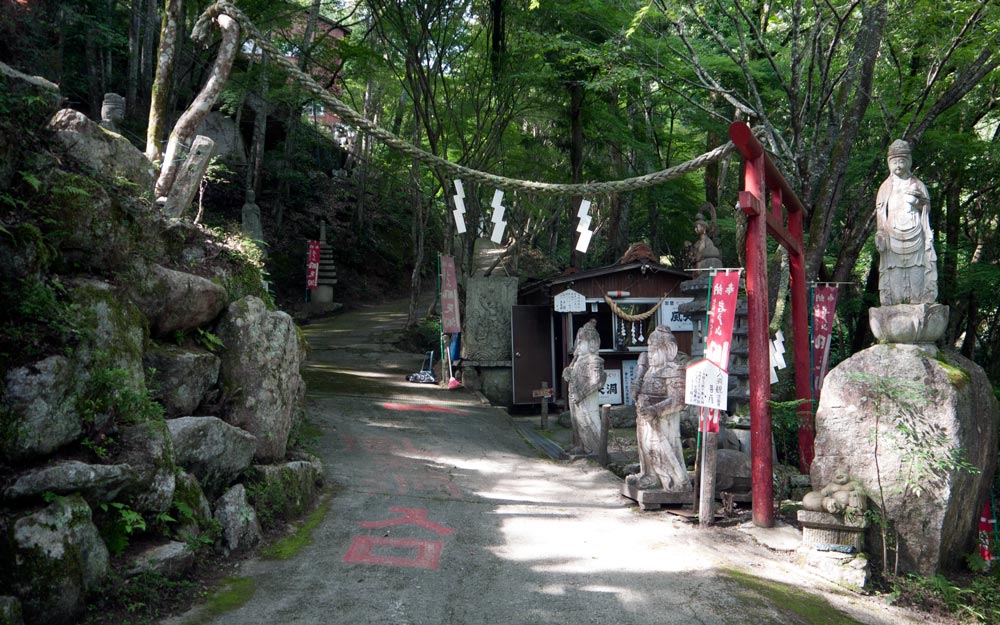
(585, 90)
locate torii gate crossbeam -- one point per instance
(759, 170)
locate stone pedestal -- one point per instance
(656, 499)
(909, 323)
(920, 410)
(825, 531)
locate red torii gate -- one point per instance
(760, 170)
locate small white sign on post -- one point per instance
(570, 301)
(706, 385)
(612, 391)
(671, 317)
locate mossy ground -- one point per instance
(233, 593)
(766, 601)
(285, 548)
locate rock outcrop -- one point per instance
(106, 351)
(260, 371)
(924, 415)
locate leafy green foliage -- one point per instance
(137, 600)
(117, 524)
(40, 320)
(109, 394)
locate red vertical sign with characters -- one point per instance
(824, 310)
(721, 316)
(312, 266)
(719, 337)
(450, 321)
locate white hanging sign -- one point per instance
(611, 393)
(570, 301)
(671, 317)
(706, 385)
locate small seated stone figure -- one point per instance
(112, 111)
(842, 496)
(659, 401)
(704, 253)
(586, 378)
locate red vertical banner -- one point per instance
(450, 321)
(721, 316)
(824, 310)
(986, 521)
(312, 266)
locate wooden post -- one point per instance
(189, 177)
(706, 506)
(602, 447)
(545, 406)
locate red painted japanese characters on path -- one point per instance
(383, 550)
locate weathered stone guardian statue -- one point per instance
(586, 377)
(907, 262)
(659, 400)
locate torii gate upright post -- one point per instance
(758, 170)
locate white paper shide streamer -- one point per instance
(459, 211)
(498, 223)
(584, 226)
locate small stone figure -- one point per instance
(907, 262)
(703, 253)
(112, 111)
(251, 218)
(586, 377)
(843, 496)
(659, 400)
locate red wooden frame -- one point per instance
(758, 171)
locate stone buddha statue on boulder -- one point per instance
(907, 262)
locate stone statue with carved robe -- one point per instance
(659, 400)
(586, 377)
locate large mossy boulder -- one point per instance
(38, 413)
(260, 371)
(211, 450)
(175, 301)
(149, 449)
(52, 558)
(182, 377)
(916, 427)
(238, 520)
(98, 149)
(97, 483)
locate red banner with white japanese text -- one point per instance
(824, 310)
(721, 315)
(312, 266)
(450, 321)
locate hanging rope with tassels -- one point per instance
(621, 314)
